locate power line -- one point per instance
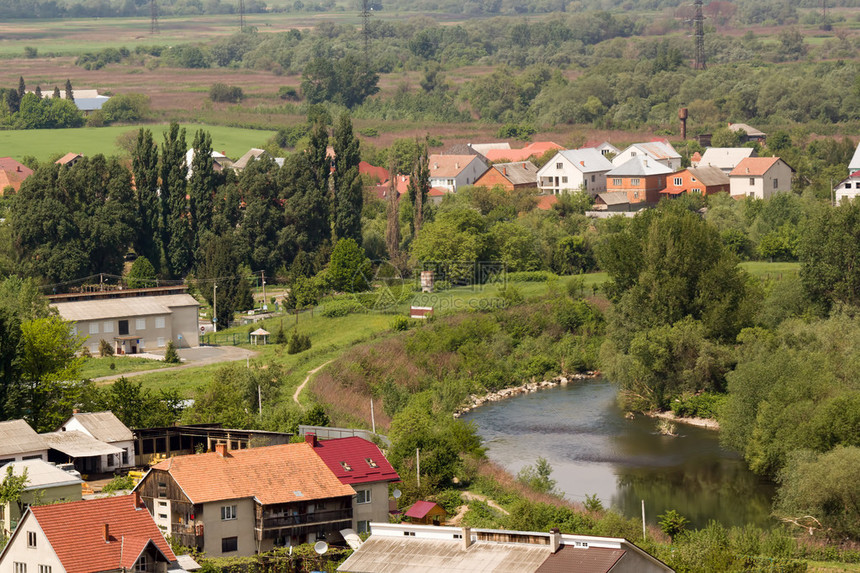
(699, 21)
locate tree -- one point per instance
(170, 355)
(38, 92)
(672, 524)
(349, 267)
(147, 242)
(220, 267)
(537, 477)
(176, 227)
(142, 274)
(348, 193)
(419, 186)
(127, 108)
(10, 337)
(137, 407)
(12, 486)
(70, 95)
(392, 216)
(202, 185)
(22, 88)
(56, 94)
(830, 255)
(345, 81)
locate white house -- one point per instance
(724, 158)
(573, 169)
(105, 427)
(760, 177)
(854, 164)
(659, 151)
(453, 171)
(848, 189)
(219, 161)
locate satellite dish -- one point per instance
(320, 547)
(397, 493)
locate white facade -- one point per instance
(572, 170)
(656, 150)
(454, 171)
(29, 546)
(776, 179)
(848, 189)
(109, 462)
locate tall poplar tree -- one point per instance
(392, 226)
(348, 198)
(419, 186)
(177, 237)
(316, 203)
(201, 186)
(22, 88)
(144, 164)
(70, 95)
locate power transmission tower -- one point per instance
(365, 20)
(153, 15)
(241, 15)
(699, 21)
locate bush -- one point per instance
(118, 483)
(705, 405)
(170, 355)
(105, 348)
(369, 132)
(225, 93)
(126, 107)
(280, 336)
(399, 323)
(450, 499)
(672, 523)
(288, 93)
(298, 343)
(341, 307)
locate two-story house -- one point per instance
(723, 158)
(641, 178)
(454, 171)
(574, 169)
(848, 189)
(697, 180)
(107, 428)
(760, 177)
(111, 534)
(242, 502)
(657, 151)
(359, 463)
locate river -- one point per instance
(593, 449)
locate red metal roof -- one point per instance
(76, 533)
(420, 509)
(353, 453)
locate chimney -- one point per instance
(582, 163)
(76, 411)
(221, 449)
(18, 168)
(524, 166)
(554, 540)
(311, 439)
(137, 502)
(646, 163)
(106, 532)
(435, 166)
(505, 171)
(467, 537)
(457, 165)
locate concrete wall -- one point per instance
(215, 529)
(153, 336)
(19, 552)
(185, 324)
(376, 510)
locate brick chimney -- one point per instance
(312, 440)
(221, 449)
(554, 540)
(137, 501)
(106, 532)
(467, 537)
(505, 171)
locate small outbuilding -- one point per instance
(426, 513)
(258, 334)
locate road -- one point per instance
(193, 357)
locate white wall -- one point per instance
(19, 552)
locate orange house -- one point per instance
(519, 175)
(641, 178)
(702, 180)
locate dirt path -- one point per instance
(194, 357)
(468, 495)
(307, 379)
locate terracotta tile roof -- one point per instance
(438, 192)
(535, 149)
(545, 202)
(754, 166)
(419, 509)
(12, 173)
(272, 474)
(354, 453)
(578, 560)
(75, 531)
(380, 173)
(448, 165)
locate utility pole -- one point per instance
(699, 21)
(215, 307)
(153, 15)
(241, 15)
(418, 466)
(365, 19)
(265, 304)
(372, 417)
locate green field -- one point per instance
(45, 144)
(95, 367)
(764, 269)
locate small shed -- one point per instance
(420, 312)
(257, 334)
(426, 513)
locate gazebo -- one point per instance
(255, 336)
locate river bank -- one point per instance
(476, 401)
(708, 423)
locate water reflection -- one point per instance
(594, 450)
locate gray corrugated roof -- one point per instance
(104, 426)
(41, 474)
(639, 166)
(587, 160)
(122, 307)
(17, 437)
(614, 197)
(78, 445)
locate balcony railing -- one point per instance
(187, 535)
(306, 518)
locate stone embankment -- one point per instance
(476, 401)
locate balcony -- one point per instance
(187, 535)
(307, 518)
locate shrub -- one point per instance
(105, 348)
(170, 354)
(288, 93)
(298, 343)
(118, 483)
(341, 307)
(672, 523)
(369, 132)
(399, 323)
(280, 336)
(450, 499)
(125, 107)
(705, 405)
(225, 93)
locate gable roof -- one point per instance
(484, 148)
(725, 157)
(748, 129)
(614, 198)
(381, 173)
(119, 307)
(518, 173)
(576, 560)
(271, 474)
(104, 426)
(545, 202)
(76, 444)
(657, 149)
(68, 158)
(354, 453)
(709, 175)
(449, 165)
(75, 531)
(854, 164)
(17, 437)
(420, 509)
(40, 474)
(535, 149)
(754, 166)
(12, 173)
(586, 160)
(639, 166)
(252, 154)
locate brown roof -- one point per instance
(68, 158)
(581, 560)
(518, 173)
(448, 165)
(754, 166)
(545, 202)
(272, 474)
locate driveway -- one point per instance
(192, 358)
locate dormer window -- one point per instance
(371, 463)
(346, 466)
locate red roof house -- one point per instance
(535, 149)
(426, 512)
(108, 534)
(12, 174)
(379, 173)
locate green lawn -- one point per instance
(770, 270)
(44, 144)
(95, 367)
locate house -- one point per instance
(659, 151)
(154, 444)
(723, 158)
(132, 320)
(243, 502)
(220, 162)
(426, 513)
(574, 169)
(536, 149)
(107, 428)
(99, 535)
(848, 189)
(360, 464)
(408, 548)
(519, 175)
(18, 441)
(254, 154)
(484, 148)
(12, 174)
(702, 180)
(87, 454)
(85, 100)
(616, 201)
(641, 178)
(453, 171)
(46, 483)
(69, 159)
(606, 149)
(752, 134)
(853, 165)
(760, 177)
(469, 149)
(380, 174)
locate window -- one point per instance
(450, 181)
(162, 504)
(752, 180)
(229, 544)
(592, 178)
(159, 322)
(228, 512)
(632, 154)
(559, 165)
(162, 516)
(123, 327)
(125, 456)
(848, 186)
(20, 567)
(94, 348)
(94, 328)
(363, 526)
(31, 539)
(346, 466)
(697, 190)
(107, 326)
(634, 181)
(564, 179)
(776, 183)
(371, 463)
(44, 569)
(362, 496)
(616, 182)
(636, 194)
(678, 181)
(141, 564)
(140, 324)
(161, 341)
